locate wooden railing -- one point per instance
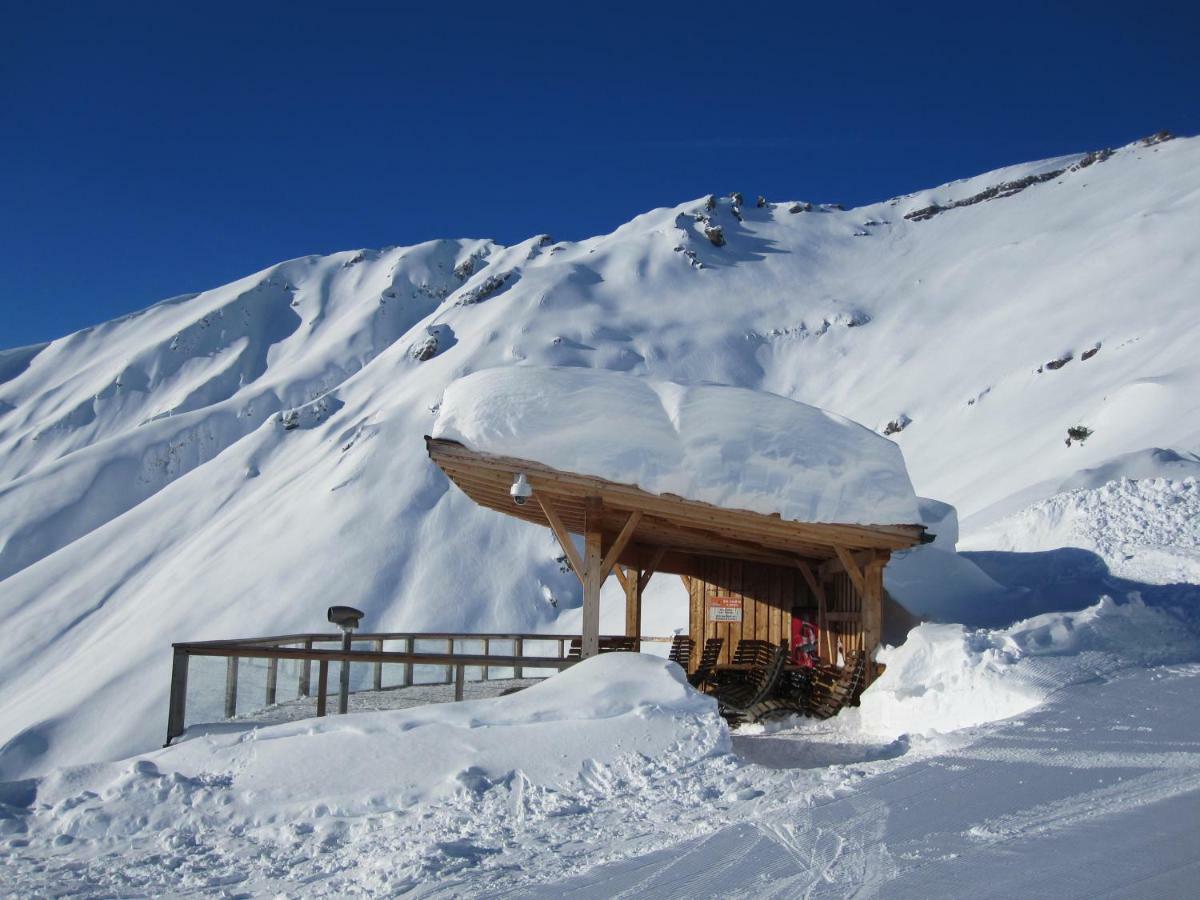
(303, 647)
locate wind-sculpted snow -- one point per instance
(1146, 529)
(234, 461)
(731, 447)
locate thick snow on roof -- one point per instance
(732, 447)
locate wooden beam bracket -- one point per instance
(564, 536)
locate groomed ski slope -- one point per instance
(231, 462)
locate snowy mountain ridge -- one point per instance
(233, 461)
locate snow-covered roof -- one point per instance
(731, 447)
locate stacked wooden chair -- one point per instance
(705, 669)
(831, 688)
(681, 651)
(740, 694)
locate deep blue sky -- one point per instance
(147, 151)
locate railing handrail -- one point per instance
(275, 648)
(492, 661)
(356, 637)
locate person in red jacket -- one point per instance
(804, 639)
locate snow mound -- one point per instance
(731, 447)
(319, 780)
(1146, 530)
(947, 677)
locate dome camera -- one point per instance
(521, 490)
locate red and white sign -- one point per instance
(725, 609)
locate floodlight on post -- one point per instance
(347, 619)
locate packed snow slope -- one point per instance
(731, 447)
(231, 462)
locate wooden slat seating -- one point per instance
(708, 663)
(740, 692)
(617, 644)
(790, 698)
(832, 688)
(681, 650)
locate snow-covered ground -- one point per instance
(615, 779)
(231, 462)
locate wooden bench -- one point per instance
(618, 644)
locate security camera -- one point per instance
(344, 617)
(521, 489)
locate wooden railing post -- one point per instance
(231, 678)
(449, 652)
(409, 643)
(272, 679)
(322, 685)
(459, 678)
(487, 651)
(518, 651)
(176, 713)
(377, 680)
(344, 676)
(305, 672)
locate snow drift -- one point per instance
(312, 786)
(727, 446)
(947, 677)
(1145, 529)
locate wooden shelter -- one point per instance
(746, 572)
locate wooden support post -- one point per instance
(593, 557)
(272, 680)
(407, 679)
(518, 651)
(872, 611)
(322, 685)
(305, 672)
(344, 676)
(449, 652)
(487, 651)
(377, 676)
(633, 607)
(177, 711)
(231, 676)
(459, 678)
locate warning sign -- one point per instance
(725, 609)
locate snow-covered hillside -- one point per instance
(231, 462)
